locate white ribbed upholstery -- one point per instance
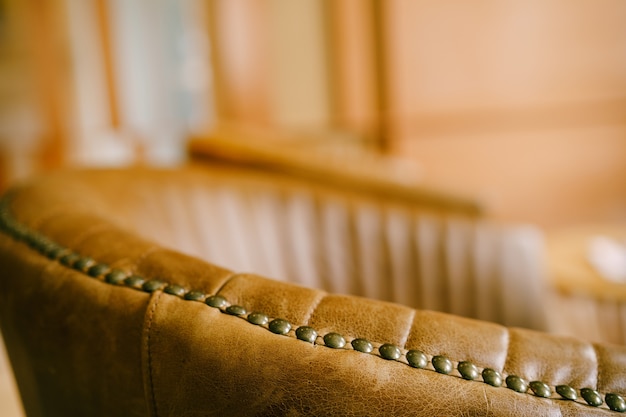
(344, 243)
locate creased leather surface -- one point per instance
(231, 368)
(72, 341)
(80, 346)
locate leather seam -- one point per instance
(50, 249)
(148, 348)
(313, 307)
(508, 348)
(405, 338)
(137, 261)
(226, 281)
(596, 358)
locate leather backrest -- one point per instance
(84, 343)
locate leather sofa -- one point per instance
(105, 313)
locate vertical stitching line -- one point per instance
(313, 307)
(136, 263)
(226, 281)
(405, 338)
(597, 367)
(148, 350)
(508, 346)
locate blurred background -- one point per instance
(520, 105)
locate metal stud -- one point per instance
(176, 290)
(153, 285)
(516, 383)
(257, 318)
(566, 392)
(69, 259)
(134, 281)
(83, 263)
(56, 251)
(97, 270)
(115, 276)
(236, 310)
(46, 246)
(195, 296)
(615, 402)
(334, 340)
(492, 377)
(306, 333)
(389, 351)
(442, 364)
(591, 396)
(467, 370)
(362, 345)
(216, 301)
(541, 389)
(416, 358)
(279, 326)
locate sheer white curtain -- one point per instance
(160, 78)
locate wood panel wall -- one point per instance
(520, 103)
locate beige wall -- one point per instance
(447, 56)
(552, 178)
(520, 103)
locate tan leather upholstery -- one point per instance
(81, 345)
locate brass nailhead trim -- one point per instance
(516, 383)
(115, 277)
(390, 352)
(69, 259)
(566, 392)
(83, 264)
(259, 319)
(362, 345)
(467, 370)
(442, 364)
(134, 281)
(279, 326)
(236, 310)
(176, 290)
(195, 296)
(615, 402)
(97, 270)
(414, 358)
(153, 285)
(216, 301)
(541, 389)
(334, 340)
(306, 333)
(592, 397)
(492, 377)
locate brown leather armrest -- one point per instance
(99, 321)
